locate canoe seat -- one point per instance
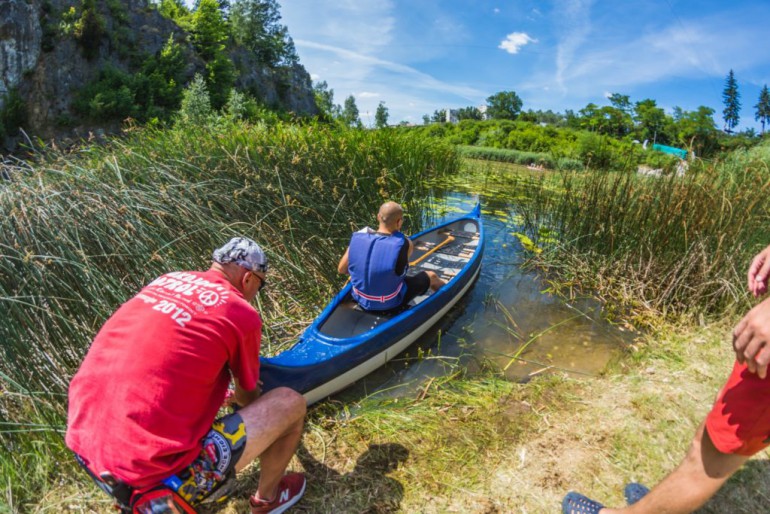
(347, 321)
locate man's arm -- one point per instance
(342, 267)
(243, 397)
(751, 336)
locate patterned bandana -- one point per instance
(243, 252)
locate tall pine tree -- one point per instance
(763, 108)
(732, 100)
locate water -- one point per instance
(507, 322)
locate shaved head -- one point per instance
(390, 213)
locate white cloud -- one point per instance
(368, 94)
(514, 41)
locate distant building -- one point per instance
(451, 116)
(483, 110)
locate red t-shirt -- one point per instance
(157, 373)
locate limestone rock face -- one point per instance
(20, 36)
(47, 66)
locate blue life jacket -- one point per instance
(372, 266)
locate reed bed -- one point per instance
(675, 246)
(83, 232)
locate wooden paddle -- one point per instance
(445, 242)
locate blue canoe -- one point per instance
(346, 343)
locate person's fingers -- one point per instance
(763, 359)
(756, 263)
(741, 338)
(751, 365)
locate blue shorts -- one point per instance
(206, 478)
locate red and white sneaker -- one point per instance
(290, 490)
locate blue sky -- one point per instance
(418, 56)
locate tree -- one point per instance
(381, 116)
(620, 102)
(468, 113)
(209, 30)
(651, 121)
(732, 101)
(505, 105)
(425, 119)
(196, 106)
(350, 112)
(696, 128)
(255, 24)
(174, 10)
(324, 99)
(439, 116)
(763, 108)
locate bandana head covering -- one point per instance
(243, 252)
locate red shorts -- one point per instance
(739, 422)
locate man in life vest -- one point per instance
(377, 261)
(143, 405)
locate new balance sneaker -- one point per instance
(290, 490)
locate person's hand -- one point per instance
(751, 339)
(758, 273)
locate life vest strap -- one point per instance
(381, 299)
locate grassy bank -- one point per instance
(84, 231)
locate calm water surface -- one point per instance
(507, 321)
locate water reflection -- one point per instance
(507, 321)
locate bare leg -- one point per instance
(699, 476)
(435, 281)
(274, 423)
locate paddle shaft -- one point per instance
(445, 242)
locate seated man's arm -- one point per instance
(342, 267)
(243, 397)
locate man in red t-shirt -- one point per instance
(143, 404)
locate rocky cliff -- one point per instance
(45, 65)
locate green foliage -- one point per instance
(153, 92)
(763, 108)
(13, 114)
(209, 30)
(324, 100)
(175, 10)
(468, 113)
(89, 29)
(110, 97)
(731, 98)
(220, 77)
(196, 104)
(505, 105)
(350, 113)
(381, 116)
(439, 116)
(255, 24)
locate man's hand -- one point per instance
(758, 272)
(243, 397)
(751, 338)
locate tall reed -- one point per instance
(81, 233)
(676, 245)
